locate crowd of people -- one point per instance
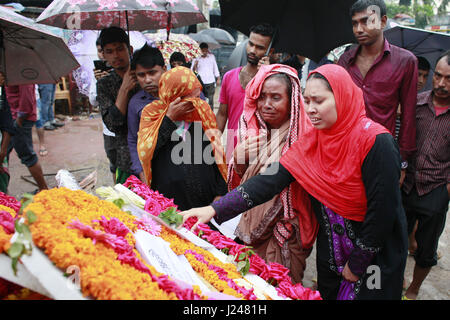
(352, 156)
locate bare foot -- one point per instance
(410, 295)
(43, 152)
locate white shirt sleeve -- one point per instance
(93, 93)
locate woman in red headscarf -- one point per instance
(350, 167)
(268, 127)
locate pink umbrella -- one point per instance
(128, 14)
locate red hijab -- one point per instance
(327, 163)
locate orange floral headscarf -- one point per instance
(177, 82)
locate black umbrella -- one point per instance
(308, 27)
(424, 43)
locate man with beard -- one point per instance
(114, 92)
(232, 92)
(386, 74)
(426, 189)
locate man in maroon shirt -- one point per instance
(386, 74)
(426, 189)
(22, 101)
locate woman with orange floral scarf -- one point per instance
(179, 144)
(268, 127)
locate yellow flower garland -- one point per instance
(180, 246)
(102, 275)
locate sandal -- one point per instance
(43, 152)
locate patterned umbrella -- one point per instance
(128, 14)
(177, 42)
(31, 53)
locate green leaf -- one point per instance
(245, 270)
(119, 202)
(18, 226)
(26, 233)
(31, 216)
(16, 250)
(170, 216)
(241, 265)
(27, 196)
(14, 265)
(242, 256)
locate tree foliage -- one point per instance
(421, 12)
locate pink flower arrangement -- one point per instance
(152, 206)
(114, 226)
(9, 201)
(7, 222)
(149, 225)
(144, 191)
(273, 273)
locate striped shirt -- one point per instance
(430, 167)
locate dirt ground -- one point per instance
(78, 146)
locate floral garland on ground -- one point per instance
(7, 219)
(273, 273)
(220, 275)
(9, 209)
(73, 228)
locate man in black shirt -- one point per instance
(114, 92)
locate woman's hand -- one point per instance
(203, 214)
(348, 275)
(177, 109)
(247, 150)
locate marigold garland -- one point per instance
(183, 247)
(102, 275)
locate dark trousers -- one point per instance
(22, 142)
(210, 89)
(111, 152)
(430, 210)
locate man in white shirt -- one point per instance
(206, 67)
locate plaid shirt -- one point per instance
(107, 91)
(430, 167)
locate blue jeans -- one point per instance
(22, 142)
(39, 123)
(47, 97)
